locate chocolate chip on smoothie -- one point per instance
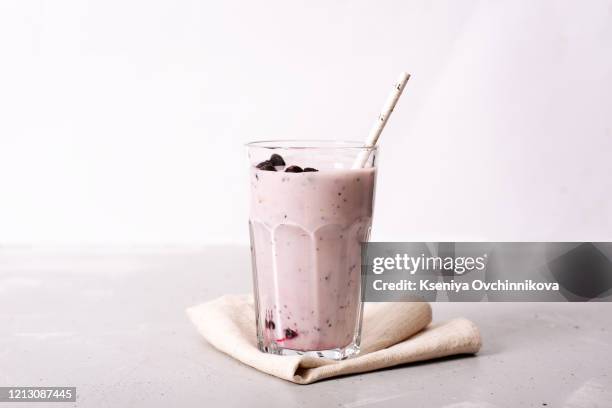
(307, 169)
(293, 169)
(277, 160)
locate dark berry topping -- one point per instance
(293, 169)
(290, 334)
(277, 160)
(266, 165)
(307, 169)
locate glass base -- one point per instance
(349, 351)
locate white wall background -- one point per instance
(122, 121)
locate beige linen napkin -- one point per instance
(393, 334)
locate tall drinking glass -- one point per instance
(306, 231)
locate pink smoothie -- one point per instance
(306, 230)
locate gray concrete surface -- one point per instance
(112, 323)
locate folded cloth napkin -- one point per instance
(393, 334)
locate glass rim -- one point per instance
(293, 144)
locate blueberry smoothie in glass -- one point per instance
(309, 212)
